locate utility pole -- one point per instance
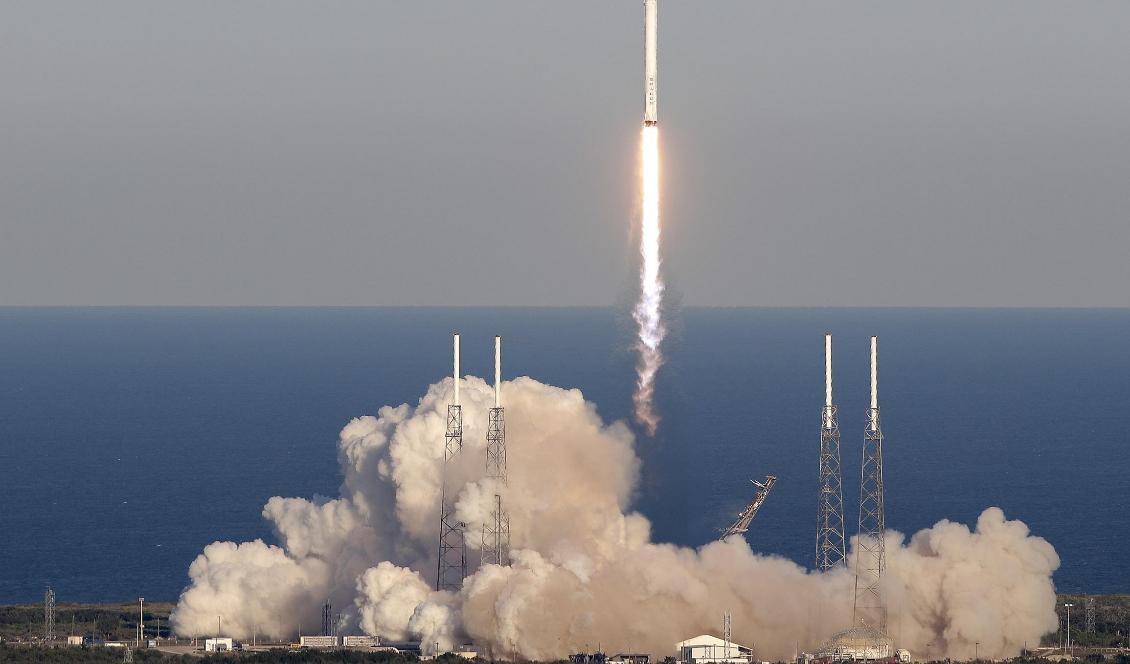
(141, 622)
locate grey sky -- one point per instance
(855, 153)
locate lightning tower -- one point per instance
(496, 533)
(830, 550)
(869, 609)
(49, 615)
(452, 564)
(327, 619)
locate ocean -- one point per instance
(132, 437)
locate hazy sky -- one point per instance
(834, 153)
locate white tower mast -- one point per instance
(830, 549)
(496, 533)
(870, 609)
(452, 562)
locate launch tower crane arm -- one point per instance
(745, 517)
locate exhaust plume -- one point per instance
(584, 567)
(648, 311)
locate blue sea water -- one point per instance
(131, 438)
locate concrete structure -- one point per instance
(319, 641)
(360, 641)
(630, 658)
(708, 649)
(219, 644)
(74, 640)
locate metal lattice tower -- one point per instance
(869, 609)
(830, 550)
(452, 563)
(140, 621)
(49, 615)
(496, 532)
(1089, 615)
(745, 517)
(327, 621)
(726, 633)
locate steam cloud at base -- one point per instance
(584, 567)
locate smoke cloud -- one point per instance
(585, 570)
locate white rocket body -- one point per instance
(650, 73)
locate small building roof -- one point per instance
(707, 640)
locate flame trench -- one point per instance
(648, 310)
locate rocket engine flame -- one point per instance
(648, 312)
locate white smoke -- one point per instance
(585, 570)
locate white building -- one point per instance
(318, 641)
(707, 649)
(218, 644)
(360, 641)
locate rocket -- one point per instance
(650, 96)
